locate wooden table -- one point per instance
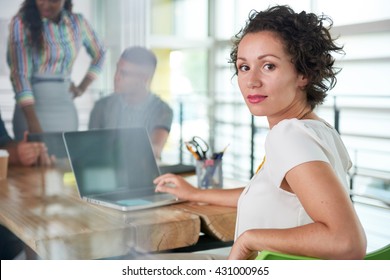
(216, 221)
(46, 213)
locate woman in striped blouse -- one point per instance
(44, 40)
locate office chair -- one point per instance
(380, 254)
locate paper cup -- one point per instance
(3, 164)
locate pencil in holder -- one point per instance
(209, 173)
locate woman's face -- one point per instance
(267, 78)
(50, 9)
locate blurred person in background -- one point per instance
(20, 153)
(133, 104)
(45, 37)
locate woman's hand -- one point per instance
(45, 159)
(81, 88)
(241, 249)
(30, 153)
(176, 185)
(76, 91)
(27, 153)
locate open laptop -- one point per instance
(115, 168)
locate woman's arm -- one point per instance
(336, 232)
(19, 58)
(82, 87)
(96, 51)
(179, 187)
(32, 120)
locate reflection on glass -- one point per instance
(182, 18)
(112, 160)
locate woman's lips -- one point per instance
(256, 98)
(45, 14)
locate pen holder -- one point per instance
(209, 173)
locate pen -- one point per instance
(194, 153)
(220, 154)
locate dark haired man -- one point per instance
(133, 104)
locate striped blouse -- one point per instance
(62, 43)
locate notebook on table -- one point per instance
(115, 168)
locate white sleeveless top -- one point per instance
(263, 204)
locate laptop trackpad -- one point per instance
(133, 202)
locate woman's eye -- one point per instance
(269, 66)
(243, 68)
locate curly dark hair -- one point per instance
(306, 40)
(33, 22)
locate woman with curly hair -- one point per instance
(298, 200)
(44, 40)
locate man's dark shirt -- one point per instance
(4, 137)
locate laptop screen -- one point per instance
(111, 160)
